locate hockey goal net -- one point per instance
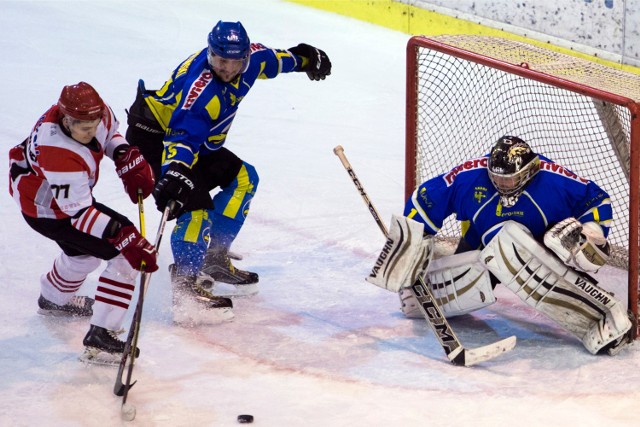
(464, 92)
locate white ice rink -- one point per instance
(318, 346)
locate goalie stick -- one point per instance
(120, 388)
(456, 353)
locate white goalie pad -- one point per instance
(538, 278)
(405, 254)
(460, 285)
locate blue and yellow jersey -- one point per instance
(196, 109)
(553, 194)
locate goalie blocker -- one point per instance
(405, 255)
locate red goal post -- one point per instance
(465, 91)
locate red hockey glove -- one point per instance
(135, 249)
(135, 173)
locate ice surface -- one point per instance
(318, 346)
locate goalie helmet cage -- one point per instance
(465, 91)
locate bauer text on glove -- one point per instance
(134, 171)
(135, 248)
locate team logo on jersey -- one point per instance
(480, 193)
(425, 200)
(197, 88)
(466, 166)
(509, 214)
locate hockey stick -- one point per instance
(120, 388)
(456, 353)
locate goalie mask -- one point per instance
(512, 164)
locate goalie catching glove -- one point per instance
(405, 255)
(581, 246)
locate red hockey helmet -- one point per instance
(81, 102)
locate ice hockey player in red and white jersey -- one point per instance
(52, 175)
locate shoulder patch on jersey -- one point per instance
(560, 170)
(479, 163)
(196, 89)
(186, 64)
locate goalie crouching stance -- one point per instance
(528, 223)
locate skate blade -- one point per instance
(94, 356)
(60, 313)
(233, 291)
(617, 349)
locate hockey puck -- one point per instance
(245, 419)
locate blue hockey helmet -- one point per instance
(229, 40)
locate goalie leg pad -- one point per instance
(405, 254)
(538, 278)
(460, 285)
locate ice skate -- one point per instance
(409, 304)
(194, 305)
(222, 289)
(620, 343)
(218, 270)
(78, 306)
(103, 347)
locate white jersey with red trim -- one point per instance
(52, 175)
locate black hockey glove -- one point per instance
(319, 66)
(176, 184)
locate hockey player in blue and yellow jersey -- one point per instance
(537, 195)
(182, 128)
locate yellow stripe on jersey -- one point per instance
(235, 202)
(186, 64)
(261, 75)
(217, 139)
(213, 108)
(162, 112)
(464, 226)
